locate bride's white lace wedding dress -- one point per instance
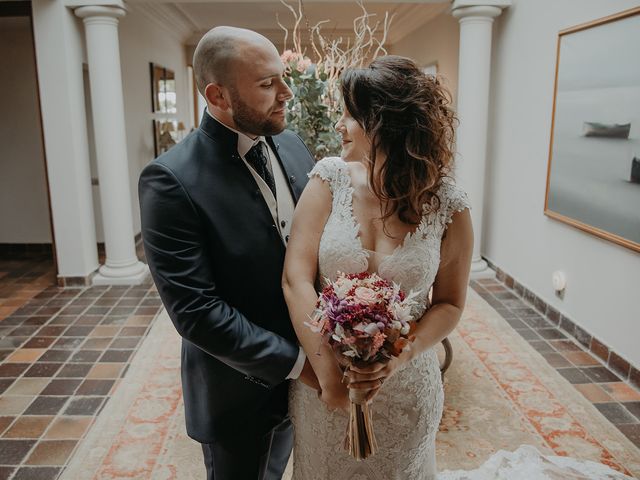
(408, 408)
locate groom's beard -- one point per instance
(250, 120)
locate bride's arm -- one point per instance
(300, 271)
(447, 302)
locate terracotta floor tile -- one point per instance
(74, 370)
(574, 375)
(581, 359)
(28, 427)
(66, 386)
(23, 331)
(43, 370)
(600, 374)
(14, 404)
(37, 473)
(14, 451)
(44, 405)
(565, 346)
(40, 342)
(51, 452)
(95, 387)
(96, 344)
(68, 343)
(85, 356)
(132, 331)
(6, 472)
(88, 320)
(105, 331)
(556, 360)
(126, 343)
(542, 346)
(68, 428)
(114, 320)
(616, 413)
(5, 422)
(51, 331)
(633, 407)
(28, 386)
(621, 392)
(84, 405)
(106, 370)
(56, 355)
(26, 355)
(12, 369)
(119, 356)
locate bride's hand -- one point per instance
(335, 396)
(373, 376)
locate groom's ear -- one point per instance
(215, 95)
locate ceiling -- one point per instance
(188, 20)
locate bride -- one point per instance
(389, 206)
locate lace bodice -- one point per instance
(413, 264)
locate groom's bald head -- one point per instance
(216, 57)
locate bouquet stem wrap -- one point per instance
(360, 440)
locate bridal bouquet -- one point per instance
(365, 319)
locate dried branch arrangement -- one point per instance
(315, 82)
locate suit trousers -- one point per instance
(254, 457)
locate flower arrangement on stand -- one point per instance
(315, 108)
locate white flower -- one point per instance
(402, 312)
(372, 329)
(342, 287)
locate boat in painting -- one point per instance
(615, 130)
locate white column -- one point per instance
(474, 69)
(122, 266)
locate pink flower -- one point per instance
(303, 64)
(365, 295)
(287, 56)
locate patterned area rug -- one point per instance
(500, 394)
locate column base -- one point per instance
(480, 269)
(130, 275)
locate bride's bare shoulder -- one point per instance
(357, 172)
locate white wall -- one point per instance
(436, 42)
(143, 41)
(24, 206)
(603, 278)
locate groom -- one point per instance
(216, 213)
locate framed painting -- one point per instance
(593, 176)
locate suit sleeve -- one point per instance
(180, 266)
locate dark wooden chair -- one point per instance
(448, 357)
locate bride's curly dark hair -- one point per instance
(407, 115)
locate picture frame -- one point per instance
(163, 90)
(165, 135)
(593, 170)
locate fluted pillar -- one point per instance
(476, 21)
(122, 266)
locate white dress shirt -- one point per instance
(281, 205)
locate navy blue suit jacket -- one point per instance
(216, 257)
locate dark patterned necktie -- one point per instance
(257, 158)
